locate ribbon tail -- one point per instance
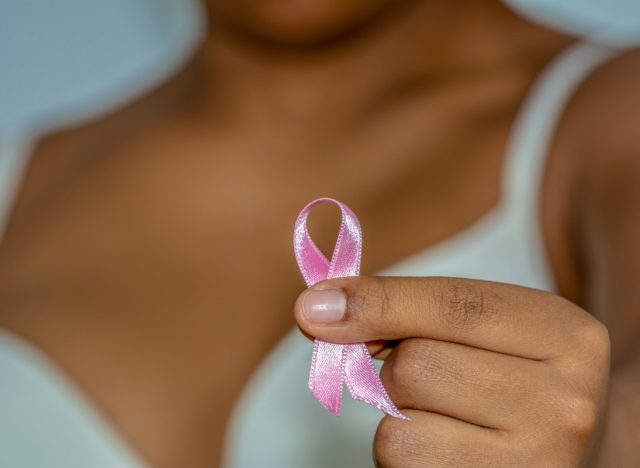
(363, 381)
(326, 375)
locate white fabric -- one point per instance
(276, 422)
(616, 22)
(44, 419)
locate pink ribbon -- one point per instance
(333, 365)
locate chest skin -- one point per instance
(156, 267)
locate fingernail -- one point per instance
(324, 306)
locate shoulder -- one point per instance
(607, 150)
(605, 119)
(597, 126)
(603, 130)
(600, 134)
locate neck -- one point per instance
(427, 45)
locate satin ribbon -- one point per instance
(334, 365)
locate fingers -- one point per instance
(480, 387)
(499, 317)
(434, 440)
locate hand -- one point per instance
(490, 374)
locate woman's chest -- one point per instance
(166, 270)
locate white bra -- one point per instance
(46, 421)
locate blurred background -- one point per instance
(49, 78)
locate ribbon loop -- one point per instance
(334, 365)
(345, 260)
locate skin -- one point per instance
(139, 236)
(489, 374)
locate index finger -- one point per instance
(498, 317)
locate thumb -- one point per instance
(346, 310)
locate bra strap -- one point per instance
(531, 137)
(537, 121)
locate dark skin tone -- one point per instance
(137, 238)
